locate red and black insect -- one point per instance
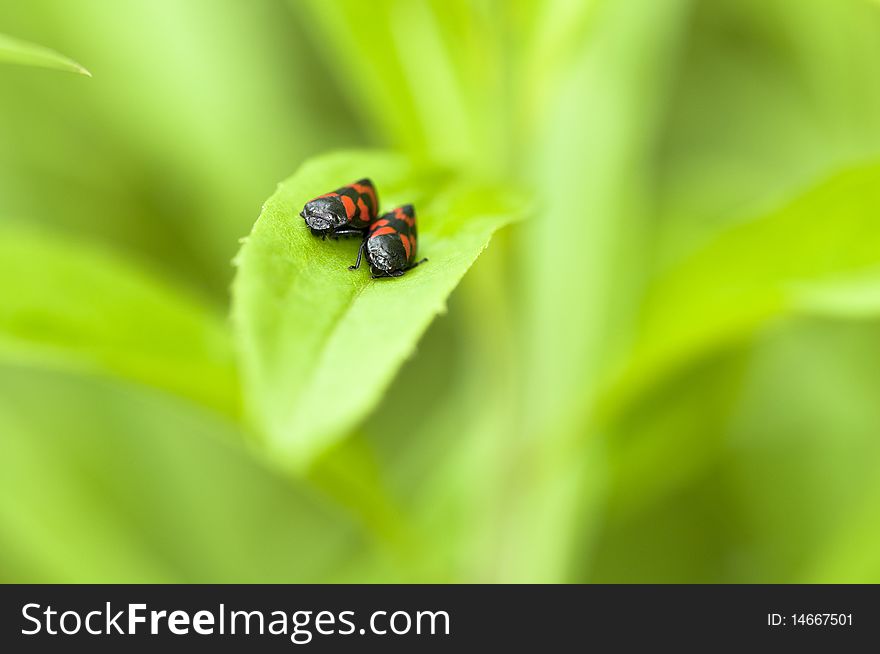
(346, 211)
(391, 244)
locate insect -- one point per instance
(346, 211)
(390, 244)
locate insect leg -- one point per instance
(417, 263)
(357, 264)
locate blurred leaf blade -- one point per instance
(589, 157)
(757, 271)
(16, 51)
(72, 306)
(319, 343)
(851, 297)
(117, 483)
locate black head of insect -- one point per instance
(386, 255)
(347, 210)
(325, 214)
(391, 243)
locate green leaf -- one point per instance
(102, 481)
(428, 113)
(318, 342)
(67, 305)
(757, 271)
(802, 456)
(16, 51)
(790, 117)
(853, 297)
(155, 144)
(587, 253)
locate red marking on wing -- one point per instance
(401, 215)
(328, 195)
(366, 189)
(383, 230)
(379, 223)
(406, 245)
(365, 212)
(348, 203)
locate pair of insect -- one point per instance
(389, 241)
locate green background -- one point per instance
(667, 371)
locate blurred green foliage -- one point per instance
(667, 372)
(30, 54)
